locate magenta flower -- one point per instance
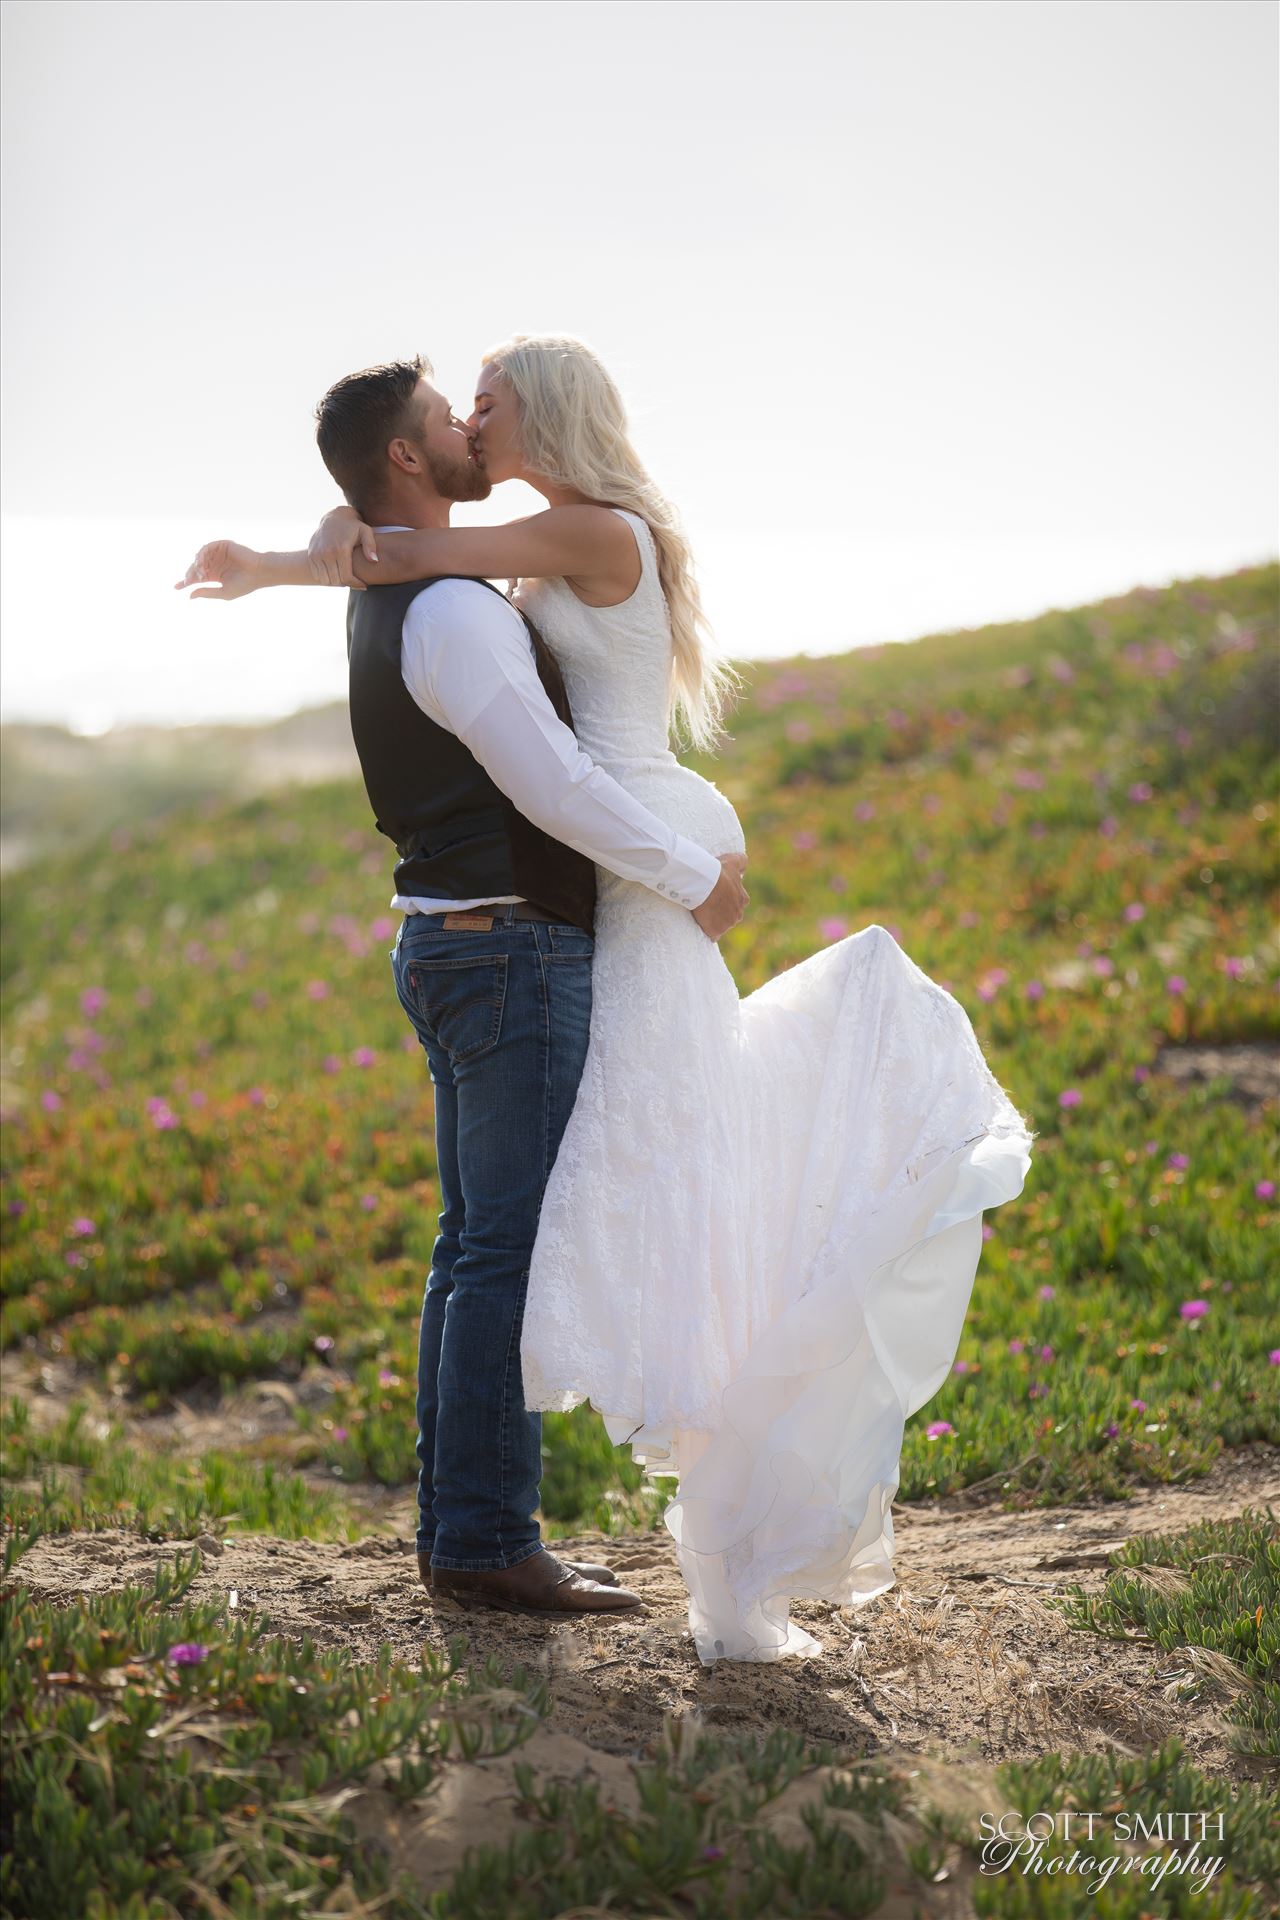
(188, 1653)
(803, 840)
(256, 1096)
(388, 1379)
(1070, 1097)
(1141, 790)
(364, 1056)
(332, 1064)
(368, 1201)
(833, 929)
(1037, 1390)
(1194, 1309)
(1175, 984)
(317, 990)
(50, 1100)
(937, 1428)
(1046, 1353)
(838, 883)
(865, 810)
(1135, 911)
(798, 730)
(1178, 1160)
(1137, 1406)
(409, 1044)
(339, 1433)
(82, 1226)
(713, 1853)
(1111, 1431)
(1034, 990)
(198, 1098)
(92, 1001)
(961, 1366)
(1047, 1292)
(1017, 1346)
(1234, 967)
(76, 1260)
(1274, 1356)
(1264, 1189)
(323, 1343)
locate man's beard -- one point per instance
(457, 479)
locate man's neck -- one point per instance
(422, 515)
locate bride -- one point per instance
(759, 1238)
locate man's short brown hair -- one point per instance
(357, 418)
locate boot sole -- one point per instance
(500, 1603)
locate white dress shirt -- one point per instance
(466, 659)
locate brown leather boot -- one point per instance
(540, 1584)
(589, 1569)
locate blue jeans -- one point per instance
(503, 1019)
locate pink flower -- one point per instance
(1047, 1292)
(1264, 1189)
(1034, 990)
(188, 1653)
(76, 1260)
(1138, 1406)
(1046, 1353)
(410, 1043)
(323, 1343)
(1140, 790)
(1070, 1097)
(1178, 1160)
(50, 1100)
(388, 1379)
(803, 841)
(256, 1096)
(1036, 1391)
(936, 1429)
(1135, 911)
(198, 1098)
(961, 1366)
(368, 1201)
(317, 990)
(143, 997)
(92, 1001)
(364, 1056)
(1194, 1309)
(833, 929)
(332, 1064)
(1175, 984)
(260, 998)
(1017, 1346)
(382, 928)
(865, 810)
(1234, 967)
(339, 1433)
(82, 1226)
(1112, 1430)
(798, 730)
(1274, 1357)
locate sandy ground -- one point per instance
(960, 1666)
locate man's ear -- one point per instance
(404, 455)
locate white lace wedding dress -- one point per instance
(759, 1238)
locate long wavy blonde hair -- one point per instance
(574, 431)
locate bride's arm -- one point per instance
(581, 542)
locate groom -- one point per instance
(464, 734)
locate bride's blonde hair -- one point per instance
(574, 431)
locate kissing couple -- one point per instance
(746, 1229)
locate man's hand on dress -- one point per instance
(726, 903)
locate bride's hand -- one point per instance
(238, 570)
(333, 543)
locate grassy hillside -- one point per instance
(218, 1155)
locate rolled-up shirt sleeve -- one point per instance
(468, 663)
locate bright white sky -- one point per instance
(929, 313)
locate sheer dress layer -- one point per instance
(760, 1235)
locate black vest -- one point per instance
(458, 835)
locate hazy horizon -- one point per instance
(927, 316)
